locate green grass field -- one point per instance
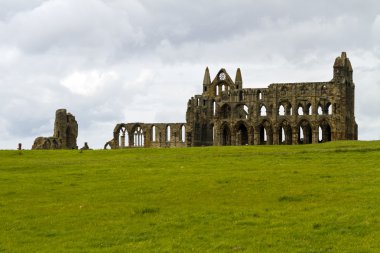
(310, 198)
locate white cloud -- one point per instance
(109, 61)
(88, 83)
(71, 25)
(9, 55)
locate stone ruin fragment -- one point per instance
(65, 133)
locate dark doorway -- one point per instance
(305, 135)
(242, 135)
(226, 136)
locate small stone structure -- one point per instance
(228, 114)
(65, 133)
(85, 147)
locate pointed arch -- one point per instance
(225, 111)
(265, 133)
(300, 110)
(107, 146)
(263, 110)
(281, 110)
(138, 136)
(309, 109)
(324, 131)
(305, 134)
(122, 136)
(285, 133)
(319, 109)
(225, 135)
(241, 133)
(285, 108)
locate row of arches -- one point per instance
(286, 133)
(137, 136)
(304, 90)
(222, 87)
(285, 109)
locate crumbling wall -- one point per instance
(282, 113)
(154, 135)
(65, 133)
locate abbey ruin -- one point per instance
(228, 114)
(64, 136)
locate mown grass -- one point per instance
(311, 198)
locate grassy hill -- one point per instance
(311, 198)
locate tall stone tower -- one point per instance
(66, 129)
(65, 133)
(343, 79)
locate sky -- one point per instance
(114, 61)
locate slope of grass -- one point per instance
(311, 198)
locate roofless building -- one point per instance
(228, 114)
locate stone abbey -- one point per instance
(228, 114)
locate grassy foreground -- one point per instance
(312, 198)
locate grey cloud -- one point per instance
(158, 51)
(9, 8)
(86, 26)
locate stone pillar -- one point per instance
(295, 135)
(276, 137)
(233, 137)
(257, 137)
(315, 136)
(130, 139)
(60, 127)
(251, 137)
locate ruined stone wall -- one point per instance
(66, 129)
(283, 113)
(65, 133)
(155, 135)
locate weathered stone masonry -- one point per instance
(228, 114)
(65, 133)
(158, 135)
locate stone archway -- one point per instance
(324, 132)
(225, 111)
(265, 133)
(305, 133)
(285, 133)
(124, 137)
(241, 134)
(225, 135)
(137, 136)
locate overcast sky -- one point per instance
(112, 61)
